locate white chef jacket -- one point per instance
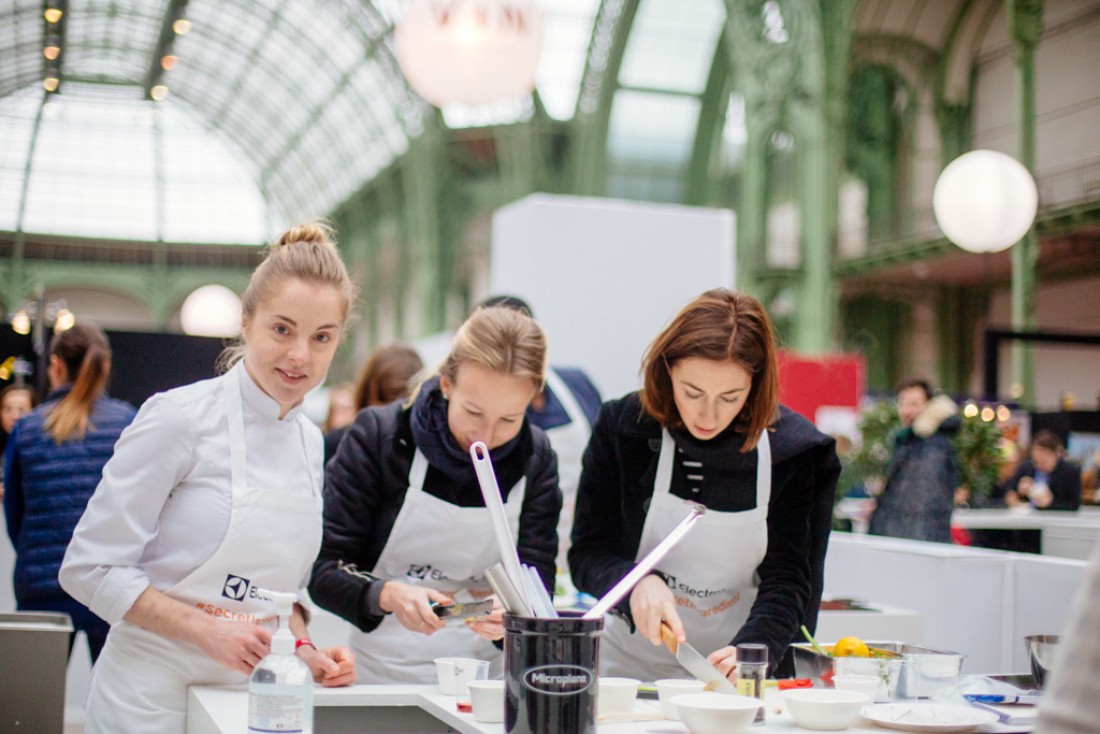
(163, 505)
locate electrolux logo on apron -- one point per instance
(238, 587)
(558, 680)
(424, 571)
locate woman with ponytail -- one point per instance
(54, 464)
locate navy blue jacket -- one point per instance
(47, 486)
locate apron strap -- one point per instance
(238, 462)
(417, 472)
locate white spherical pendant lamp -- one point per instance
(212, 310)
(985, 201)
(469, 52)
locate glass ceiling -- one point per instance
(278, 110)
(655, 111)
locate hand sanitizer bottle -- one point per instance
(280, 694)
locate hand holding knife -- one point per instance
(694, 662)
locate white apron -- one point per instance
(712, 572)
(445, 547)
(569, 442)
(140, 681)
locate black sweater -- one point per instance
(365, 485)
(616, 486)
(1064, 482)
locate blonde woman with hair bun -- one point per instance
(212, 497)
(406, 525)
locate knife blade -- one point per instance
(694, 662)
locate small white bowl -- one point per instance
(669, 688)
(868, 685)
(487, 699)
(616, 695)
(716, 713)
(824, 709)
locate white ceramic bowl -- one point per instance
(487, 699)
(824, 709)
(669, 688)
(616, 695)
(716, 713)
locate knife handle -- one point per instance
(668, 637)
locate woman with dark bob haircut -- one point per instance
(707, 427)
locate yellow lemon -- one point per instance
(851, 647)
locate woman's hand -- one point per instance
(412, 605)
(725, 660)
(651, 603)
(236, 645)
(489, 626)
(332, 667)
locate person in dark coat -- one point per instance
(919, 494)
(406, 525)
(1047, 481)
(706, 427)
(54, 464)
(15, 402)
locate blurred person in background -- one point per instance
(1047, 480)
(387, 375)
(15, 402)
(54, 462)
(341, 407)
(919, 494)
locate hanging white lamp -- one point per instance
(985, 201)
(469, 52)
(212, 310)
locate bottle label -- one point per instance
(274, 712)
(748, 687)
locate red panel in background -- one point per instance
(806, 383)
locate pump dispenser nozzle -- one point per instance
(282, 642)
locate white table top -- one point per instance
(1024, 518)
(224, 709)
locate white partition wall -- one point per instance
(604, 276)
(972, 601)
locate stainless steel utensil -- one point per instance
(694, 662)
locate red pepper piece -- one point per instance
(794, 683)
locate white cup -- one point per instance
(466, 671)
(865, 684)
(445, 672)
(616, 695)
(487, 698)
(669, 688)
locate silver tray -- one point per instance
(929, 671)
